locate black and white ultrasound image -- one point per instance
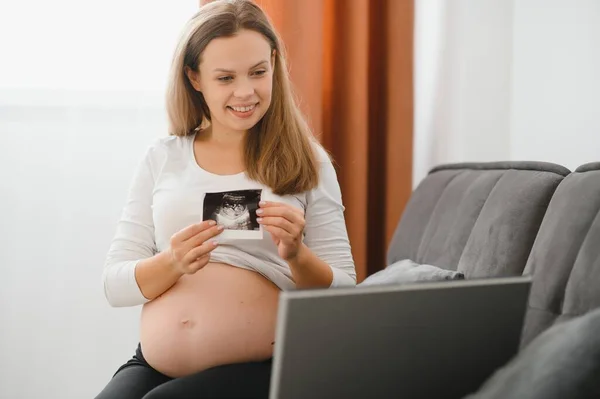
(234, 210)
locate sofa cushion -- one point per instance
(563, 362)
(565, 258)
(407, 271)
(480, 219)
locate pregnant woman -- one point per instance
(209, 305)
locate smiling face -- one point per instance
(236, 80)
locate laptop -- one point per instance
(426, 340)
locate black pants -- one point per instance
(136, 379)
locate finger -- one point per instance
(284, 212)
(272, 204)
(192, 230)
(203, 257)
(280, 222)
(278, 232)
(198, 264)
(200, 251)
(208, 226)
(203, 237)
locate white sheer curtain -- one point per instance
(463, 59)
(81, 95)
(506, 80)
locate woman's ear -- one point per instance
(194, 78)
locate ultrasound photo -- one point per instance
(236, 211)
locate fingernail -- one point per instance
(259, 220)
(259, 211)
(261, 203)
(214, 243)
(220, 227)
(212, 223)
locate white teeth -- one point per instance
(244, 109)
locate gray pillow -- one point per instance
(407, 271)
(561, 363)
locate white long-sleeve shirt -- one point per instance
(167, 194)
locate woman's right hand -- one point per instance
(191, 247)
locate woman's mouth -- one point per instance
(242, 111)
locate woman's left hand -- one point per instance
(286, 225)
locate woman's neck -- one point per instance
(224, 137)
(220, 153)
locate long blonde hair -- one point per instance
(279, 150)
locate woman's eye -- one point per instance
(259, 73)
(225, 78)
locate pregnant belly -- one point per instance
(219, 315)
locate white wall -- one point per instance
(556, 81)
(105, 45)
(65, 172)
(503, 80)
(81, 95)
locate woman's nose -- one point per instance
(243, 89)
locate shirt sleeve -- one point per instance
(133, 240)
(325, 230)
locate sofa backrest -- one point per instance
(565, 257)
(478, 218)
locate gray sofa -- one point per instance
(491, 220)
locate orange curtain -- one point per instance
(351, 65)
